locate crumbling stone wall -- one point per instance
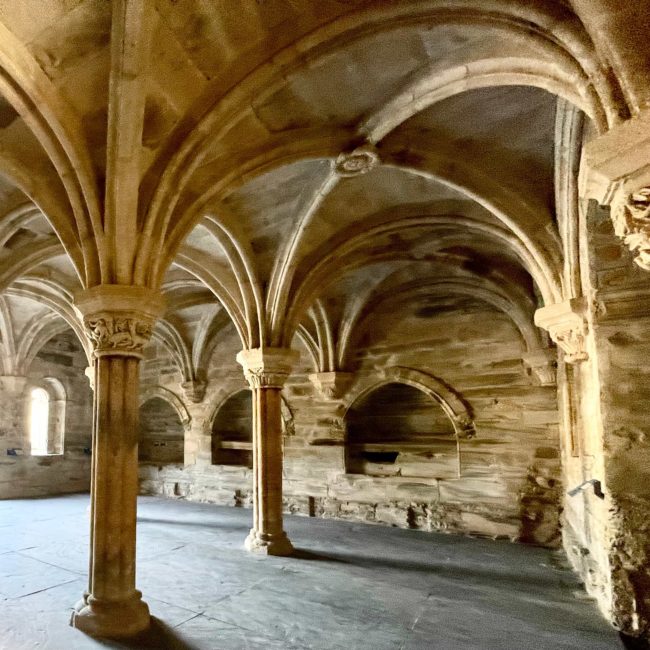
(606, 535)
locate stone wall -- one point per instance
(509, 485)
(605, 534)
(24, 475)
(161, 433)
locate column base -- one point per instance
(266, 544)
(111, 619)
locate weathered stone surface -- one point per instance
(398, 191)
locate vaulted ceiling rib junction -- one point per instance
(293, 159)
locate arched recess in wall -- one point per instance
(45, 416)
(163, 421)
(450, 401)
(406, 423)
(232, 429)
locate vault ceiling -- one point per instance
(242, 125)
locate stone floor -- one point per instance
(350, 585)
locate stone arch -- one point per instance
(397, 429)
(239, 446)
(287, 413)
(231, 430)
(452, 404)
(168, 396)
(163, 426)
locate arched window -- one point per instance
(398, 430)
(39, 421)
(45, 416)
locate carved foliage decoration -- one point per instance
(571, 338)
(268, 367)
(265, 377)
(123, 334)
(566, 326)
(631, 218)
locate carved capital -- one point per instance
(630, 214)
(357, 162)
(118, 319)
(118, 333)
(194, 390)
(566, 325)
(267, 367)
(331, 385)
(541, 366)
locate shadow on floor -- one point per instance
(633, 643)
(216, 525)
(159, 636)
(302, 554)
(495, 575)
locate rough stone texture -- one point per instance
(605, 539)
(397, 189)
(510, 475)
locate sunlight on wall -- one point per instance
(38, 421)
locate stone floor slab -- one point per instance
(349, 586)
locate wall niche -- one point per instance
(161, 433)
(398, 430)
(232, 427)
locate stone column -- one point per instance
(266, 370)
(118, 320)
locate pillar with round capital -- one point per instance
(118, 319)
(266, 370)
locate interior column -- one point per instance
(266, 370)
(118, 320)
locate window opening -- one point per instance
(39, 421)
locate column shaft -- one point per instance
(113, 606)
(266, 371)
(267, 463)
(118, 320)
